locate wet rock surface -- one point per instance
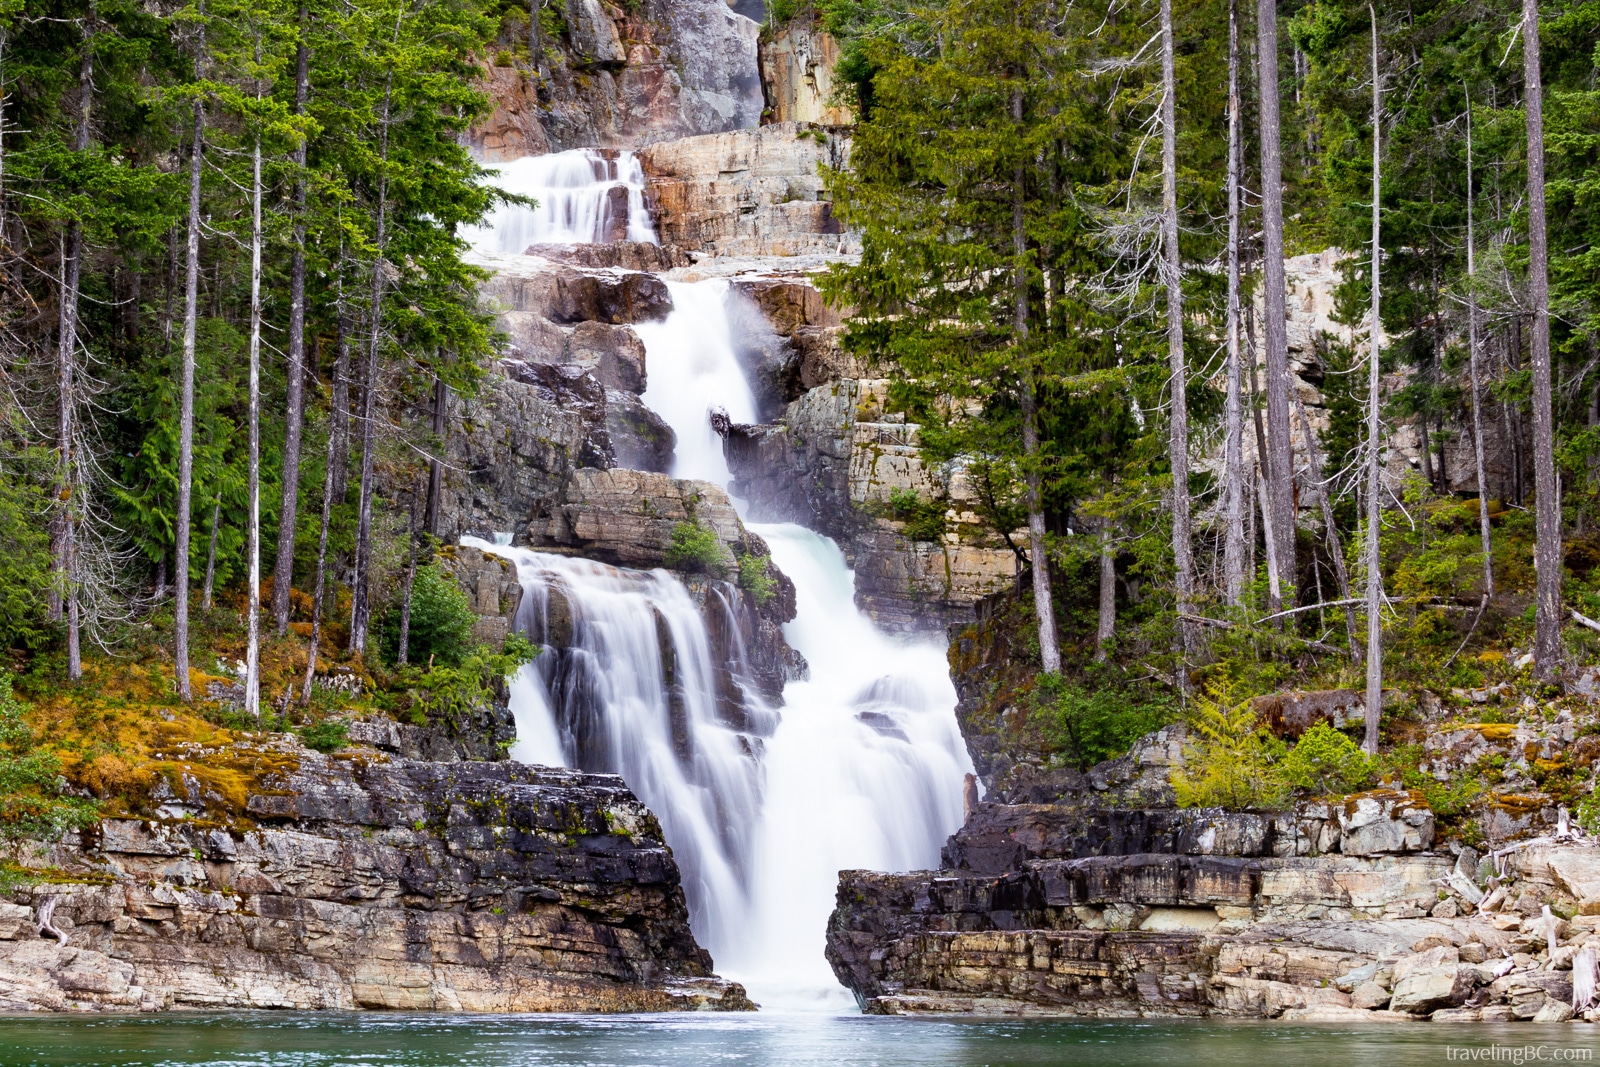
(357, 880)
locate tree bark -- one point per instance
(360, 594)
(1106, 627)
(1178, 441)
(1374, 701)
(403, 649)
(252, 598)
(1548, 655)
(1043, 595)
(1278, 462)
(211, 558)
(1477, 392)
(191, 310)
(64, 598)
(441, 396)
(294, 401)
(320, 582)
(1233, 554)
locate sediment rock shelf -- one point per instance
(362, 881)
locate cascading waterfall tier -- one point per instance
(585, 196)
(641, 675)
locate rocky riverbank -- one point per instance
(361, 880)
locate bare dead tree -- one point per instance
(1172, 276)
(1233, 444)
(1278, 461)
(1472, 364)
(1374, 705)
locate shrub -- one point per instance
(1233, 763)
(754, 579)
(329, 735)
(695, 550)
(924, 519)
(1088, 724)
(441, 620)
(31, 804)
(450, 694)
(1326, 761)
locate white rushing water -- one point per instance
(860, 768)
(693, 369)
(581, 194)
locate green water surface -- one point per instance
(378, 1040)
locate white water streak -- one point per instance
(574, 191)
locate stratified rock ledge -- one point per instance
(359, 881)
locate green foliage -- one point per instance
(24, 549)
(1233, 762)
(924, 519)
(1325, 761)
(450, 694)
(329, 735)
(1089, 722)
(1449, 799)
(31, 802)
(755, 579)
(695, 549)
(441, 620)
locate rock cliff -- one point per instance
(615, 76)
(360, 880)
(1071, 910)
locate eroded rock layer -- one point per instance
(363, 881)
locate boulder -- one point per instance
(641, 440)
(1427, 981)
(627, 517)
(1290, 713)
(1368, 996)
(626, 255)
(617, 297)
(615, 355)
(1385, 821)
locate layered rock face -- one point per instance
(752, 192)
(1078, 910)
(358, 880)
(797, 65)
(835, 462)
(621, 77)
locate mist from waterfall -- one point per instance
(860, 768)
(584, 196)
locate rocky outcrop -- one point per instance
(749, 192)
(797, 64)
(835, 462)
(357, 880)
(621, 76)
(1230, 918)
(628, 517)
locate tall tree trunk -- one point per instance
(1106, 627)
(211, 558)
(1178, 441)
(1472, 364)
(403, 649)
(1374, 703)
(252, 599)
(1548, 655)
(339, 413)
(1341, 573)
(360, 594)
(1268, 539)
(320, 583)
(191, 311)
(1278, 462)
(1043, 595)
(1233, 553)
(441, 395)
(64, 598)
(294, 401)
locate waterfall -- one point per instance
(860, 768)
(693, 369)
(626, 683)
(585, 196)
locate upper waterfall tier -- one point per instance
(585, 196)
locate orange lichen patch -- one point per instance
(1491, 731)
(1519, 802)
(1548, 765)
